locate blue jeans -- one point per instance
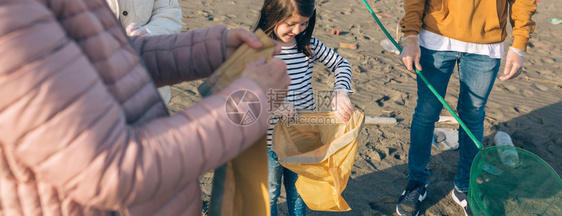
(295, 203)
(477, 74)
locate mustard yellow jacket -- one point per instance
(476, 21)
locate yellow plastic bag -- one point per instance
(321, 149)
(240, 186)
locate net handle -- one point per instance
(476, 142)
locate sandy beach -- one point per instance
(528, 108)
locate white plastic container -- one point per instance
(389, 46)
(448, 120)
(508, 156)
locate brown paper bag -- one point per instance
(240, 186)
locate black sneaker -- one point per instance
(460, 198)
(410, 201)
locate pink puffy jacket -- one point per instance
(82, 128)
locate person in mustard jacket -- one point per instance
(149, 17)
(442, 34)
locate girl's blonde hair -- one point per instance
(275, 11)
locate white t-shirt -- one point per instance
(434, 41)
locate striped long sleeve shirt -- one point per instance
(300, 67)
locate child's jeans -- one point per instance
(295, 203)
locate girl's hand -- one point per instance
(341, 105)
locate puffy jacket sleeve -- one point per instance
(171, 59)
(521, 12)
(411, 23)
(58, 120)
(166, 18)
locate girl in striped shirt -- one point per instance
(290, 23)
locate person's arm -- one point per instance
(166, 18)
(337, 64)
(341, 104)
(411, 23)
(60, 121)
(187, 56)
(191, 55)
(520, 12)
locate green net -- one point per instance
(529, 186)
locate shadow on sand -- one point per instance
(376, 193)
